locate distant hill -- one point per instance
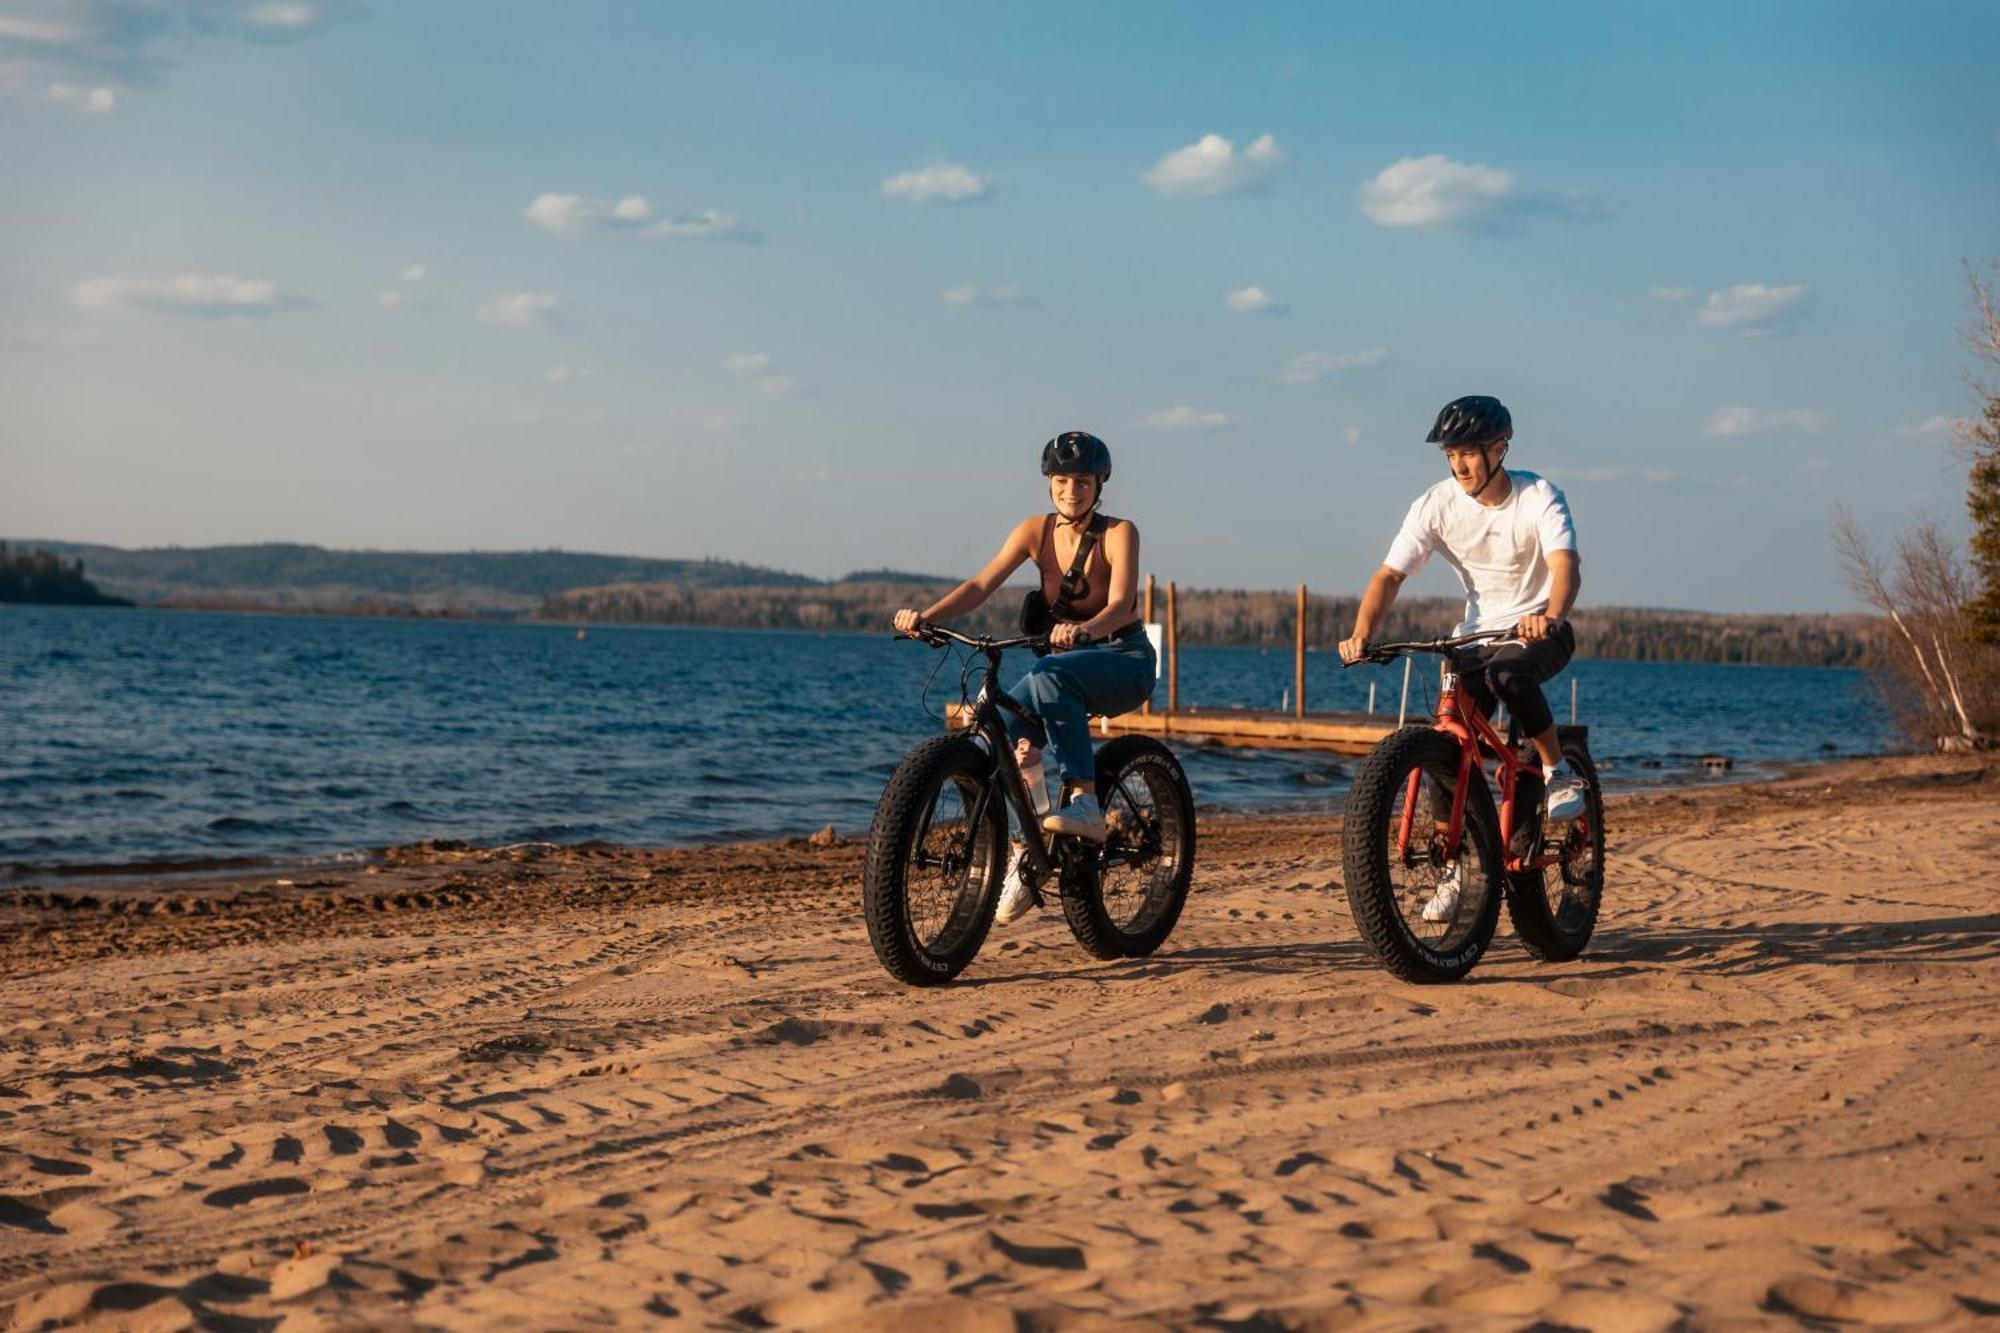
(1239, 616)
(286, 576)
(573, 586)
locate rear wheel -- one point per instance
(1390, 884)
(932, 874)
(1123, 902)
(1554, 909)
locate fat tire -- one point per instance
(1527, 895)
(1365, 835)
(884, 887)
(1082, 893)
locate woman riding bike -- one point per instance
(1101, 660)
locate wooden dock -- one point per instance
(1268, 729)
(1334, 733)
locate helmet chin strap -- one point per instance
(1493, 470)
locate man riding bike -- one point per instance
(1509, 537)
(1088, 591)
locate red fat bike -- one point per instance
(1420, 804)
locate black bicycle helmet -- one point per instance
(1472, 420)
(1077, 453)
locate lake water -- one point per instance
(139, 737)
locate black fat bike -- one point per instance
(938, 849)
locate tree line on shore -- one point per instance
(1248, 617)
(47, 579)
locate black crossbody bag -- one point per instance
(1038, 615)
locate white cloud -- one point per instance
(519, 310)
(1212, 166)
(81, 53)
(188, 294)
(1254, 301)
(1755, 308)
(569, 214)
(1184, 417)
(1936, 427)
(87, 101)
(972, 294)
(566, 374)
(1730, 421)
(1433, 191)
(715, 423)
(756, 368)
(560, 213)
(409, 275)
(708, 225)
(289, 18)
(1310, 367)
(1671, 294)
(947, 181)
(1352, 435)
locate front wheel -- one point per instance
(935, 856)
(1554, 909)
(1123, 902)
(1396, 884)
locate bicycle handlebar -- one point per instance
(1378, 653)
(937, 635)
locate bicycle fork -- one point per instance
(1454, 828)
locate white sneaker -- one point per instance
(1015, 900)
(1566, 798)
(1081, 818)
(1443, 905)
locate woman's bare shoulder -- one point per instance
(1027, 534)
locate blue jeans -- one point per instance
(1063, 689)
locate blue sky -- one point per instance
(808, 285)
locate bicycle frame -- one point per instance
(1458, 718)
(1039, 847)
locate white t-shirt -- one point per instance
(1498, 552)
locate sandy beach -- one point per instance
(585, 1087)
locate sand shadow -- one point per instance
(1752, 949)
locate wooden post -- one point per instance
(1173, 652)
(1299, 660)
(1147, 707)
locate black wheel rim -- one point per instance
(1570, 887)
(1145, 851)
(1416, 873)
(946, 872)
